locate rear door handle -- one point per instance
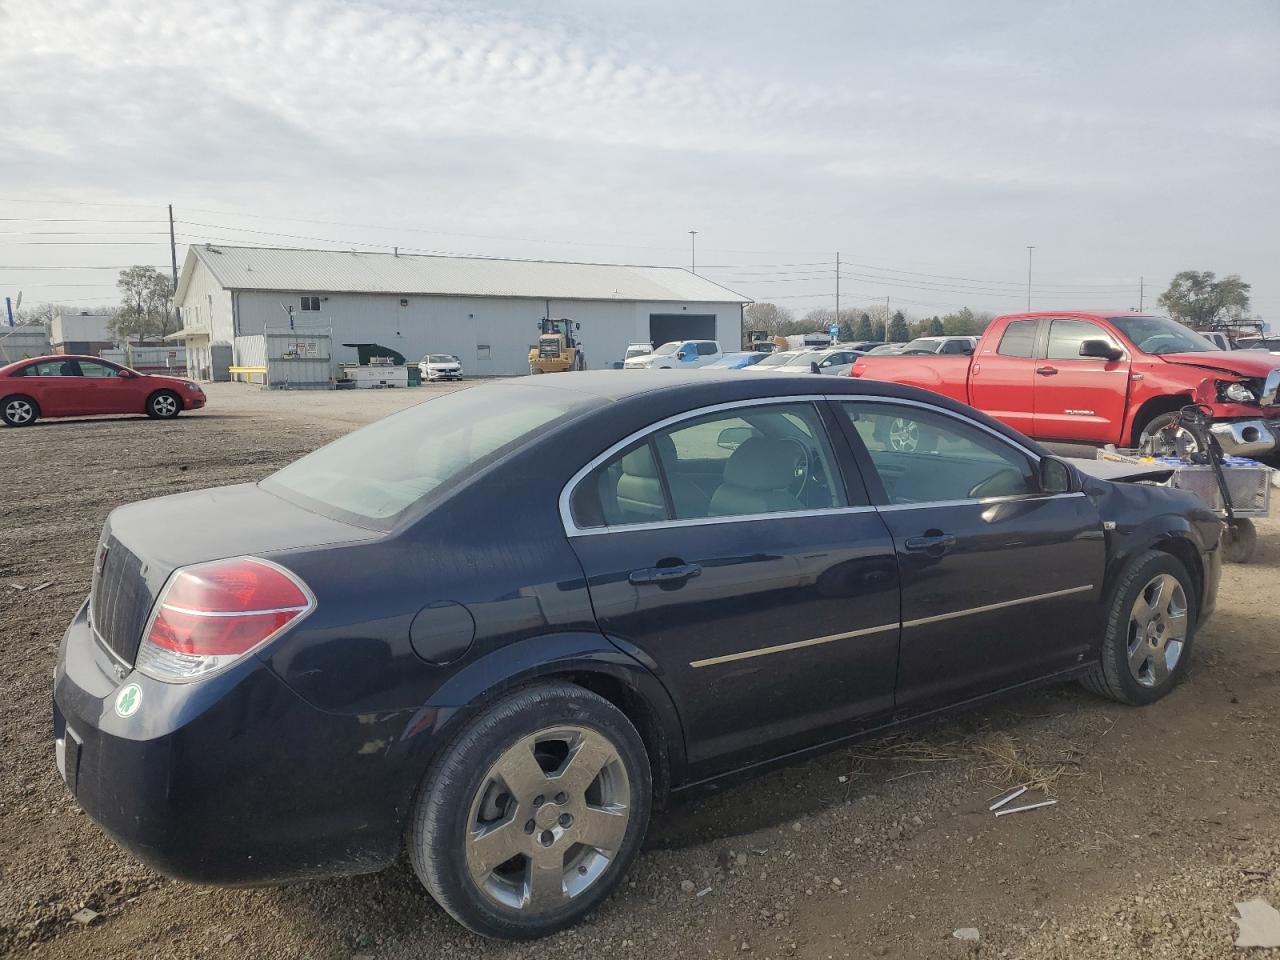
(660, 575)
(1046, 371)
(935, 544)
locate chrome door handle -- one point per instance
(934, 545)
(661, 575)
(1046, 371)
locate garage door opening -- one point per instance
(665, 327)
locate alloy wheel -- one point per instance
(1157, 630)
(19, 412)
(164, 405)
(548, 819)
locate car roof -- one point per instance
(689, 389)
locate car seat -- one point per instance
(756, 478)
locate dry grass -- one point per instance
(996, 756)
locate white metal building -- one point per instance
(82, 332)
(484, 311)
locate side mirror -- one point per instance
(1055, 476)
(1100, 350)
(968, 351)
(126, 374)
(814, 368)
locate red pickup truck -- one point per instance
(1088, 377)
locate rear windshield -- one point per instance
(776, 359)
(441, 358)
(376, 475)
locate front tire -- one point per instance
(164, 405)
(1179, 443)
(1149, 631)
(19, 411)
(532, 815)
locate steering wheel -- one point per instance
(1006, 482)
(801, 477)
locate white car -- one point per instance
(782, 362)
(837, 361)
(440, 366)
(944, 346)
(678, 355)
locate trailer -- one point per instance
(1243, 493)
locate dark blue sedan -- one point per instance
(498, 626)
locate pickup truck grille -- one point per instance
(120, 601)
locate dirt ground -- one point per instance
(1165, 815)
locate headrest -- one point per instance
(639, 463)
(762, 463)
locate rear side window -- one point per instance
(1065, 337)
(1018, 339)
(759, 459)
(706, 349)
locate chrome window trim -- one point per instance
(572, 529)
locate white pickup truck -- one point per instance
(678, 355)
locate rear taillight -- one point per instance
(212, 614)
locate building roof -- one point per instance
(338, 271)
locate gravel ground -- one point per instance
(1166, 816)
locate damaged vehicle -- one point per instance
(707, 575)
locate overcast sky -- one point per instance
(929, 143)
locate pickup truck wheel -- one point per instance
(532, 815)
(907, 436)
(1149, 631)
(1165, 442)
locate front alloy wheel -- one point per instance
(532, 814)
(1157, 630)
(1149, 629)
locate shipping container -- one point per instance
(19, 343)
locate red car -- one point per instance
(71, 386)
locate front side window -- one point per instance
(923, 457)
(706, 349)
(757, 459)
(375, 475)
(100, 371)
(957, 346)
(1065, 337)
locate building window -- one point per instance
(311, 304)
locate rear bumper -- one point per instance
(232, 780)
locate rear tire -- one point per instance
(164, 405)
(19, 411)
(532, 815)
(1149, 631)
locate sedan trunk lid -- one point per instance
(143, 543)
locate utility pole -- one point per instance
(693, 251)
(1141, 292)
(173, 250)
(837, 288)
(1029, 249)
